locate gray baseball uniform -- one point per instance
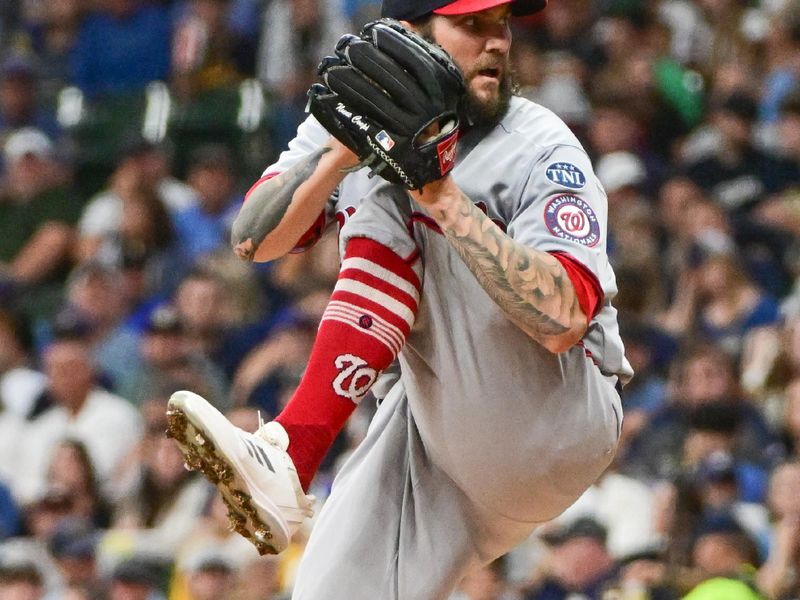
(488, 433)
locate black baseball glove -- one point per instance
(392, 98)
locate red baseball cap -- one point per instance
(518, 8)
(411, 10)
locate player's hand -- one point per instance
(344, 158)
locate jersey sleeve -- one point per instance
(563, 210)
(383, 217)
(310, 136)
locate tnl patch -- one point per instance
(566, 174)
(571, 218)
(386, 142)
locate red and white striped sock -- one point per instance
(365, 325)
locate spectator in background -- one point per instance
(122, 46)
(211, 537)
(202, 303)
(158, 511)
(167, 364)
(144, 284)
(724, 37)
(271, 371)
(701, 375)
(721, 548)
(260, 580)
(624, 506)
(21, 386)
(73, 547)
(727, 304)
(554, 80)
(19, 100)
(564, 31)
(136, 578)
(578, 565)
(647, 394)
(683, 216)
(791, 419)
(737, 175)
(45, 514)
(205, 226)
(142, 168)
(95, 311)
(633, 228)
(294, 35)
(486, 582)
(656, 87)
(207, 54)
(732, 306)
(136, 208)
(21, 582)
(781, 211)
(780, 575)
(776, 366)
(37, 217)
(52, 27)
(726, 485)
(105, 423)
(614, 127)
(782, 58)
(624, 179)
(211, 578)
(71, 470)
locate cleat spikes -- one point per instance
(204, 452)
(262, 535)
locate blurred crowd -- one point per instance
(129, 131)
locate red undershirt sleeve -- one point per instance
(587, 287)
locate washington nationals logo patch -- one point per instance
(355, 377)
(566, 174)
(570, 218)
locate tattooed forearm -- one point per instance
(530, 286)
(267, 205)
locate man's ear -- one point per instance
(408, 25)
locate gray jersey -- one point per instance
(495, 410)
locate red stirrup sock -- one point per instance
(362, 330)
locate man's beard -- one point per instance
(489, 112)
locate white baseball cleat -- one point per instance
(253, 472)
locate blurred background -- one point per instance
(129, 131)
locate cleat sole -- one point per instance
(200, 455)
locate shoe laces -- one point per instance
(272, 432)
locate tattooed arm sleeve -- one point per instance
(280, 209)
(530, 286)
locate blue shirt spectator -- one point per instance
(121, 49)
(205, 226)
(201, 232)
(9, 514)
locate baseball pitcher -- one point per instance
(476, 259)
